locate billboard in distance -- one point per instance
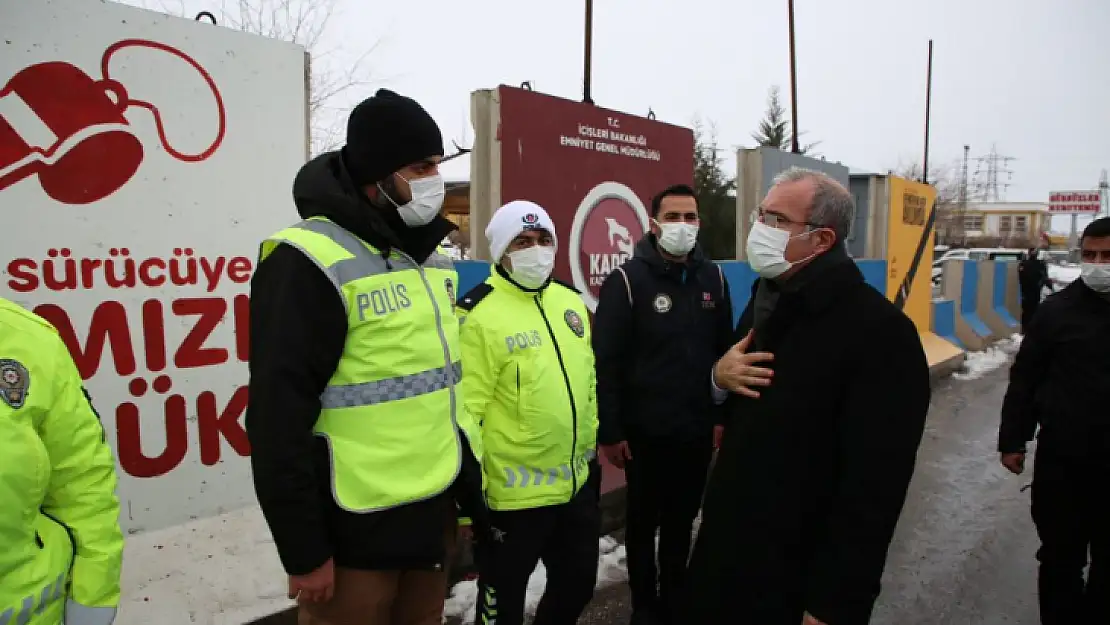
(1074, 202)
(910, 249)
(595, 171)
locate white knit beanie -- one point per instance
(512, 219)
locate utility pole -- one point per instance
(928, 102)
(793, 82)
(588, 57)
(1104, 195)
(961, 201)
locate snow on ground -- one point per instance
(611, 569)
(981, 363)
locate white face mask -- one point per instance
(1096, 276)
(766, 248)
(532, 266)
(427, 199)
(677, 239)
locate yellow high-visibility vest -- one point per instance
(389, 412)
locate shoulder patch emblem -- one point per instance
(14, 382)
(574, 322)
(474, 296)
(662, 303)
(450, 286)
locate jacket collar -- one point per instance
(648, 251)
(500, 280)
(819, 284)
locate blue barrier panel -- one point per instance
(874, 272)
(969, 292)
(998, 298)
(740, 280)
(471, 274)
(944, 321)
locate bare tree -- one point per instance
(951, 206)
(304, 22)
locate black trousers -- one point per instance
(1029, 304)
(565, 538)
(1072, 514)
(665, 480)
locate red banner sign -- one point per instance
(1074, 202)
(594, 170)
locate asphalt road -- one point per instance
(964, 550)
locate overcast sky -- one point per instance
(1027, 76)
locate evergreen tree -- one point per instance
(775, 129)
(716, 203)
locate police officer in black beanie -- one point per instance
(360, 461)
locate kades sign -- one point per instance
(594, 170)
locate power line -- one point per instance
(992, 177)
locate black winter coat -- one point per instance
(1060, 377)
(659, 328)
(811, 477)
(298, 328)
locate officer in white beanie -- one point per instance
(528, 382)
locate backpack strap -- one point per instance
(627, 285)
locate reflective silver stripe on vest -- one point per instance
(29, 607)
(77, 614)
(391, 389)
(525, 477)
(363, 263)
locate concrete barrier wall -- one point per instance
(1013, 291)
(1000, 284)
(969, 329)
(985, 299)
(944, 320)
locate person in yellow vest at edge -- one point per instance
(61, 548)
(529, 384)
(359, 454)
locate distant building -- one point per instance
(1005, 223)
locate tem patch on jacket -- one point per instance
(574, 322)
(662, 303)
(14, 381)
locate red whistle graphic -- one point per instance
(60, 124)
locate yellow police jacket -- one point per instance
(529, 386)
(61, 547)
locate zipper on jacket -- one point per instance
(570, 395)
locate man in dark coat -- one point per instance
(1059, 381)
(663, 319)
(1032, 279)
(821, 443)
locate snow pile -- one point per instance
(981, 363)
(611, 569)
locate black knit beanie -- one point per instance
(385, 133)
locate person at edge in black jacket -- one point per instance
(1032, 279)
(345, 568)
(663, 318)
(819, 447)
(1059, 380)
